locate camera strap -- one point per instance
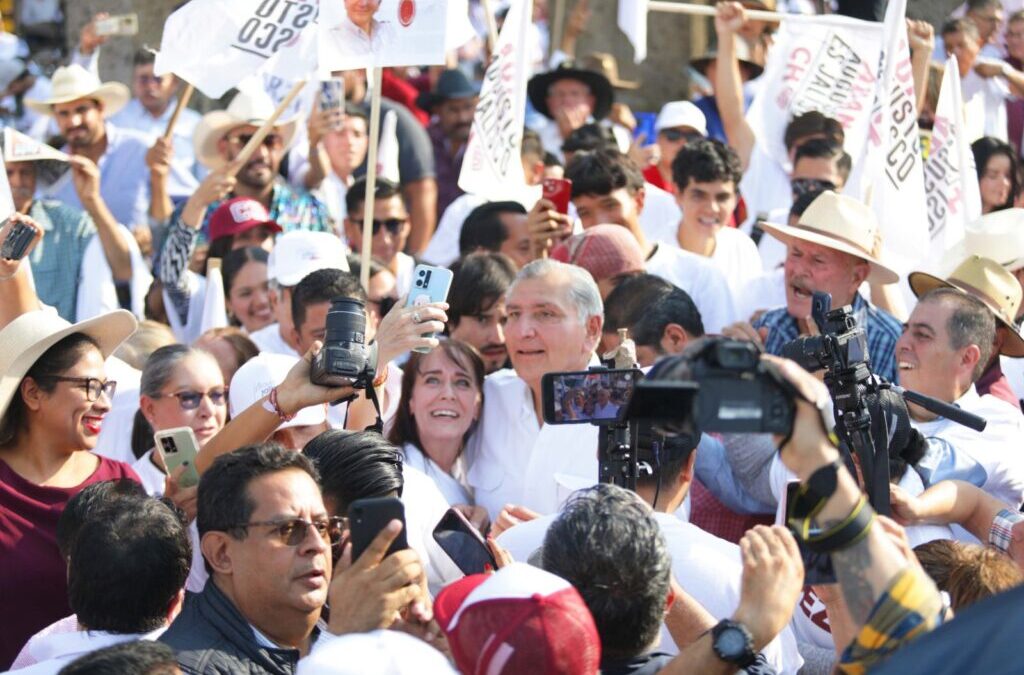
(378, 426)
(843, 535)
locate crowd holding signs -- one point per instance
(424, 353)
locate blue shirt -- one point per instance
(883, 331)
(124, 178)
(57, 258)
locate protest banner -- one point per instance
(377, 33)
(491, 166)
(950, 178)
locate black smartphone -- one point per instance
(367, 517)
(464, 545)
(17, 241)
(597, 396)
(818, 568)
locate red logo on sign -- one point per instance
(406, 12)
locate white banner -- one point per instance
(215, 44)
(378, 33)
(829, 66)
(492, 166)
(950, 178)
(633, 22)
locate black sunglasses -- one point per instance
(292, 531)
(190, 400)
(674, 135)
(802, 186)
(394, 225)
(270, 140)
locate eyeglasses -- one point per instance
(394, 225)
(675, 135)
(802, 186)
(93, 386)
(190, 400)
(269, 141)
(292, 531)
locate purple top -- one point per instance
(446, 167)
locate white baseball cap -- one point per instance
(681, 114)
(257, 377)
(299, 253)
(380, 652)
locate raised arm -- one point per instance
(86, 176)
(17, 296)
(921, 39)
(729, 83)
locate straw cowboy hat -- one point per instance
(26, 339)
(249, 107)
(840, 223)
(987, 281)
(73, 82)
(50, 163)
(998, 236)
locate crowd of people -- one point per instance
(169, 287)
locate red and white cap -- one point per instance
(606, 251)
(518, 620)
(238, 215)
(301, 252)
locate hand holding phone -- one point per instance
(178, 447)
(367, 517)
(429, 285)
(558, 191)
(463, 544)
(119, 24)
(19, 239)
(548, 224)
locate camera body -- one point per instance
(345, 359)
(842, 345)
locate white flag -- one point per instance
(828, 65)
(460, 28)
(633, 22)
(950, 178)
(387, 147)
(215, 44)
(215, 311)
(491, 166)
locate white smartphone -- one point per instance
(119, 24)
(178, 447)
(429, 284)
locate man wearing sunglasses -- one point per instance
(390, 228)
(678, 123)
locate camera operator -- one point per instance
(830, 249)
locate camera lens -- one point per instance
(346, 322)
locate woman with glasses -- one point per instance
(180, 387)
(54, 397)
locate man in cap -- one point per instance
(568, 97)
(451, 104)
(57, 258)
(678, 123)
(81, 105)
(830, 249)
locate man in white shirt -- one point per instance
(946, 344)
(360, 34)
(554, 324)
(390, 228)
(984, 89)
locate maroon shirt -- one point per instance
(446, 168)
(994, 382)
(33, 576)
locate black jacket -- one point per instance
(211, 636)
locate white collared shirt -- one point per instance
(699, 277)
(451, 487)
(59, 649)
(350, 41)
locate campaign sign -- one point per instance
(371, 33)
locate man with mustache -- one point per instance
(451, 105)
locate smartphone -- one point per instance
(818, 567)
(17, 241)
(367, 517)
(178, 447)
(557, 191)
(429, 284)
(119, 24)
(596, 396)
(332, 97)
(464, 545)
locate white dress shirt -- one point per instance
(59, 649)
(269, 340)
(451, 487)
(424, 507)
(700, 278)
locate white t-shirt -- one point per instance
(700, 278)
(269, 340)
(451, 487)
(1013, 369)
(443, 248)
(153, 479)
(513, 459)
(660, 217)
(765, 187)
(765, 291)
(424, 507)
(771, 250)
(59, 649)
(737, 259)
(403, 277)
(984, 106)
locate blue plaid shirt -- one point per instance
(57, 258)
(883, 331)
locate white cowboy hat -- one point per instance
(840, 223)
(988, 281)
(26, 339)
(248, 107)
(73, 82)
(998, 235)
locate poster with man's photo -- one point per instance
(367, 33)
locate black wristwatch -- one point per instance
(733, 643)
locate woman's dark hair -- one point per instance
(235, 260)
(985, 149)
(404, 429)
(355, 465)
(57, 360)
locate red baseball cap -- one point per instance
(606, 251)
(520, 619)
(238, 215)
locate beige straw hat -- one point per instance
(998, 236)
(248, 107)
(841, 223)
(987, 281)
(26, 338)
(73, 82)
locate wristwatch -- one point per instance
(733, 643)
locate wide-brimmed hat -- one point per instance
(988, 281)
(451, 83)
(998, 235)
(50, 162)
(73, 82)
(247, 107)
(26, 338)
(600, 87)
(752, 68)
(607, 65)
(841, 223)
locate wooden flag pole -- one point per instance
(556, 27)
(186, 94)
(492, 26)
(752, 14)
(374, 75)
(257, 139)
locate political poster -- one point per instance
(374, 33)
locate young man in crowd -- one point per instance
(337, 148)
(452, 103)
(476, 305)
(499, 227)
(678, 123)
(391, 228)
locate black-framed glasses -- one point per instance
(292, 531)
(675, 135)
(802, 186)
(190, 400)
(394, 225)
(270, 140)
(93, 386)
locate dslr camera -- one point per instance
(346, 359)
